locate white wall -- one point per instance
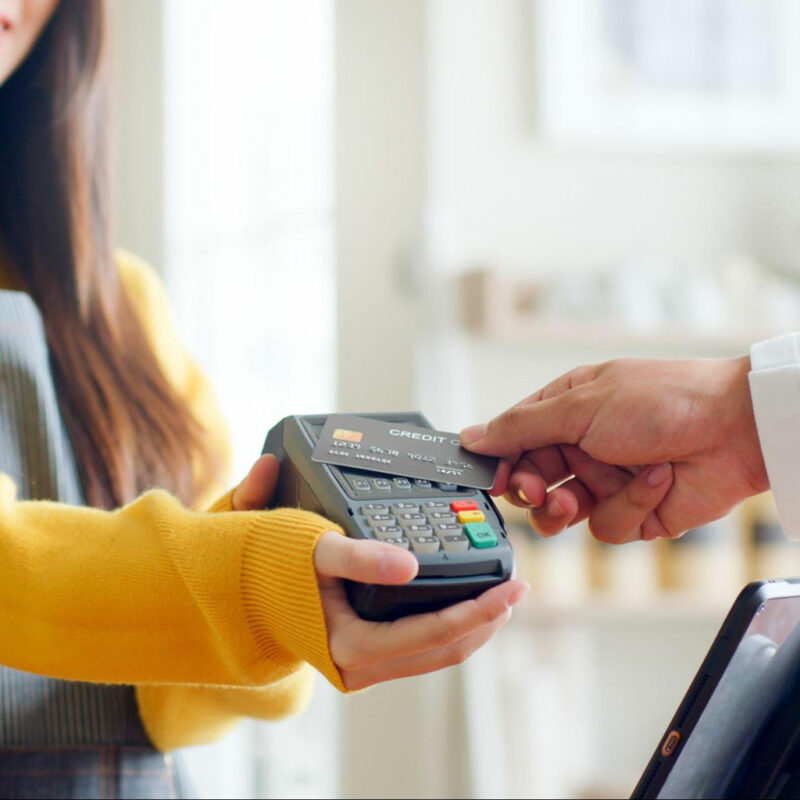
(380, 159)
(140, 128)
(500, 195)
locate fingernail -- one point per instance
(473, 434)
(554, 508)
(523, 497)
(658, 474)
(520, 593)
(517, 595)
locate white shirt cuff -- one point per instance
(775, 390)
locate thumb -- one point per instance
(559, 420)
(363, 560)
(256, 490)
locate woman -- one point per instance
(157, 626)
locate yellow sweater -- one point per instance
(211, 615)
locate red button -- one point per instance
(463, 505)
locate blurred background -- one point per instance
(443, 205)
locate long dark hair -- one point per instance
(128, 427)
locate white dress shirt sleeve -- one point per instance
(775, 389)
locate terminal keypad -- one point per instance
(431, 526)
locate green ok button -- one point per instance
(480, 534)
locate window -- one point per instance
(249, 262)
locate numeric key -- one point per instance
(425, 544)
(378, 520)
(456, 543)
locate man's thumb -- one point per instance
(527, 427)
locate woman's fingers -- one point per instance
(256, 490)
(430, 661)
(370, 644)
(367, 647)
(620, 517)
(363, 560)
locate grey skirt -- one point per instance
(59, 739)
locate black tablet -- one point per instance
(736, 731)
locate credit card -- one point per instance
(404, 450)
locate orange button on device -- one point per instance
(670, 744)
(470, 516)
(463, 505)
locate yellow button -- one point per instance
(470, 516)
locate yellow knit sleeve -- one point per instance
(177, 715)
(155, 593)
(181, 716)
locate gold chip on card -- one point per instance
(347, 436)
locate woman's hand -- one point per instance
(643, 449)
(371, 652)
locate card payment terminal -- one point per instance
(456, 533)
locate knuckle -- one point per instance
(509, 420)
(577, 409)
(353, 559)
(574, 399)
(582, 375)
(618, 365)
(349, 558)
(556, 388)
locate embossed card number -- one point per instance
(397, 449)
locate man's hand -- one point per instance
(642, 449)
(371, 652)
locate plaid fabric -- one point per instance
(87, 772)
(45, 721)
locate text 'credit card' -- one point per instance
(404, 450)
